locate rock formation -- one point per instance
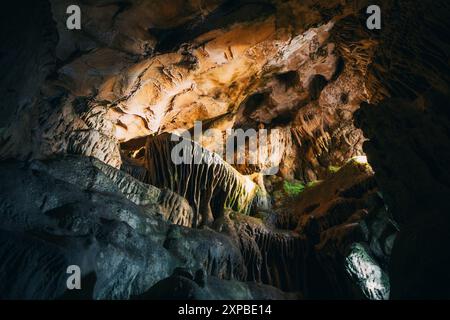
(350, 201)
(209, 183)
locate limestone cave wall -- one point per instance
(349, 202)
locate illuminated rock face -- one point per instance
(86, 118)
(209, 183)
(130, 73)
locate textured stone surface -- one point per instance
(345, 234)
(140, 70)
(83, 212)
(409, 142)
(209, 183)
(130, 72)
(127, 247)
(184, 287)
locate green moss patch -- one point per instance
(293, 189)
(333, 169)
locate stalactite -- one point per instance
(273, 257)
(210, 186)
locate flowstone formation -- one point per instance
(209, 183)
(349, 202)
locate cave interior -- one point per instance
(347, 197)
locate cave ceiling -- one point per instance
(130, 73)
